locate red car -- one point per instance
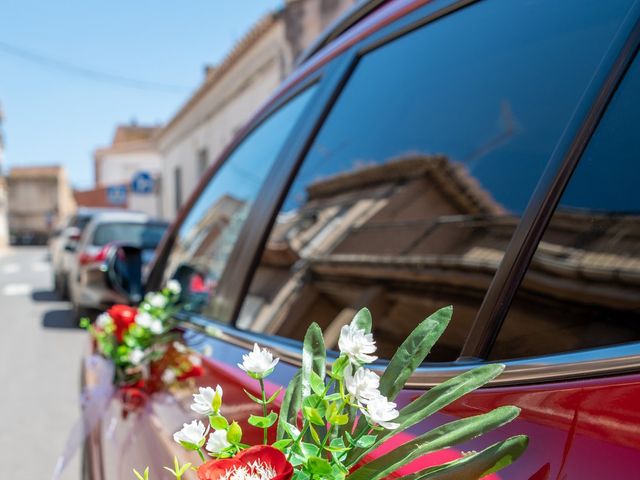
(483, 154)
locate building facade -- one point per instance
(39, 199)
(233, 91)
(4, 207)
(132, 153)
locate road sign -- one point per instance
(117, 195)
(142, 183)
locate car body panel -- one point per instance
(564, 421)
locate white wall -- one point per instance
(118, 168)
(212, 122)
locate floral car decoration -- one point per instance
(330, 420)
(142, 342)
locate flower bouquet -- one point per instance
(142, 343)
(331, 419)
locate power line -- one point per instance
(46, 61)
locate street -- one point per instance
(40, 352)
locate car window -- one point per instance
(413, 187)
(142, 235)
(207, 235)
(582, 289)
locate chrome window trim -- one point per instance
(596, 362)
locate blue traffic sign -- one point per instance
(142, 182)
(117, 195)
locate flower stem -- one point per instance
(201, 455)
(305, 424)
(326, 438)
(264, 408)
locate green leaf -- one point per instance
(274, 396)
(145, 475)
(313, 356)
(442, 437)
(252, 397)
(362, 319)
(291, 404)
(308, 449)
(282, 444)
(337, 369)
(342, 419)
(216, 402)
(292, 430)
(434, 400)
(366, 441)
(313, 416)
(234, 434)
(300, 475)
(263, 422)
(218, 422)
(318, 466)
(413, 351)
(337, 445)
(478, 465)
(317, 384)
(314, 434)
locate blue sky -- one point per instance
(55, 117)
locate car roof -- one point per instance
(344, 22)
(124, 216)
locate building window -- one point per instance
(203, 161)
(178, 187)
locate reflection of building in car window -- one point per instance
(207, 245)
(404, 238)
(582, 289)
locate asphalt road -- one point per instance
(40, 351)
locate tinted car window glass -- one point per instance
(412, 189)
(207, 235)
(143, 235)
(583, 285)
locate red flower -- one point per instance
(123, 317)
(196, 371)
(262, 461)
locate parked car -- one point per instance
(482, 154)
(62, 248)
(90, 284)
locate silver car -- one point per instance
(63, 246)
(89, 285)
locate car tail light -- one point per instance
(86, 258)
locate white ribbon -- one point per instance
(94, 401)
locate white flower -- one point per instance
(363, 385)
(180, 348)
(103, 320)
(195, 360)
(254, 470)
(156, 326)
(174, 287)
(135, 356)
(191, 436)
(168, 376)
(357, 344)
(258, 363)
(217, 442)
(381, 411)
(203, 402)
(144, 319)
(156, 300)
